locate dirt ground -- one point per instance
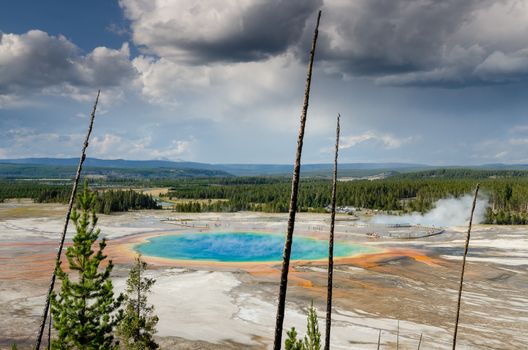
(232, 306)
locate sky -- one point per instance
(439, 82)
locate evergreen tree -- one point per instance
(139, 323)
(292, 343)
(312, 339)
(85, 310)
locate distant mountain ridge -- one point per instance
(107, 163)
(208, 169)
(229, 167)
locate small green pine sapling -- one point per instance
(312, 339)
(138, 326)
(292, 343)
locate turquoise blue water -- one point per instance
(241, 247)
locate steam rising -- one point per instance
(446, 212)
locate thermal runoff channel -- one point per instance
(241, 247)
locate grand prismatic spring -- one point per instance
(241, 247)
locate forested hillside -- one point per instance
(506, 190)
(108, 200)
(507, 195)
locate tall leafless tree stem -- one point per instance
(138, 308)
(49, 330)
(293, 200)
(379, 339)
(67, 220)
(420, 341)
(331, 244)
(468, 237)
(398, 336)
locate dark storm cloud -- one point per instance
(200, 32)
(426, 42)
(449, 43)
(269, 28)
(379, 37)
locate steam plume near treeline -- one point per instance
(446, 212)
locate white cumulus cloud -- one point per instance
(117, 146)
(386, 140)
(38, 62)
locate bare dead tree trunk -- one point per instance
(138, 309)
(331, 244)
(293, 199)
(379, 339)
(49, 330)
(468, 237)
(398, 336)
(67, 220)
(420, 341)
